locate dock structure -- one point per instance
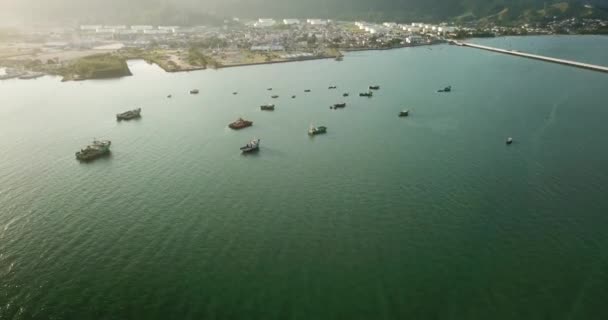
(535, 56)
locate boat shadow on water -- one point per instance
(254, 153)
(102, 158)
(138, 119)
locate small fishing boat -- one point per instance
(240, 123)
(274, 96)
(267, 107)
(253, 145)
(368, 94)
(169, 96)
(339, 105)
(235, 93)
(194, 91)
(293, 97)
(446, 89)
(509, 140)
(128, 115)
(269, 89)
(404, 113)
(332, 87)
(376, 87)
(307, 90)
(345, 94)
(316, 130)
(96, 150)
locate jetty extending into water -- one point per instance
(535, 56)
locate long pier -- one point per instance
(535, 56)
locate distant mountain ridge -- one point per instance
(213, 11)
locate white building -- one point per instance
(317, 22)
(171, 29)
(91, 27)
(105, 31)
(445, 30)
(163, 31)
(261, 23)
(390, 24)
(268, 48)
(142, 28)
(127, 31)
(413, 29)
(117, 27)
(291, 21)
(413, 39)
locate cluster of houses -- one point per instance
(265, 22)
(413, 28)
(123, 29)
(310, 35)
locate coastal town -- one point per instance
(101, 51)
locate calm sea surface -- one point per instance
(426, 217)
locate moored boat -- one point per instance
(316, 130)
(366, 94)
(274, 96)
(253, 145)
(509, 140)
(332, 87)
(345, 94)
(339, 105)
(404, 113)
(293, 97)
(375, 87)
(128, 115)
(267, 107)
(446, 89)
(194, 91)
(98, 149)
(240, 123)
(235, 93)
(307, 90)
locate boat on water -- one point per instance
(169, 96)
(366, 94)
(293, 97)
(269, 89)
(376, 87)
(404, 113)
(93, 151)
(267, 107)
(253, 145)
(316, 130)
(332, 87)
(446, 89)
(128, 115)
(307, 90)
(235, 93)
(240, 123)
(194, 91)
(338, 105)
(274, 96)
(345, 94)
(509, 140)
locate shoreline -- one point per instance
(272, 62)
(341, 52)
